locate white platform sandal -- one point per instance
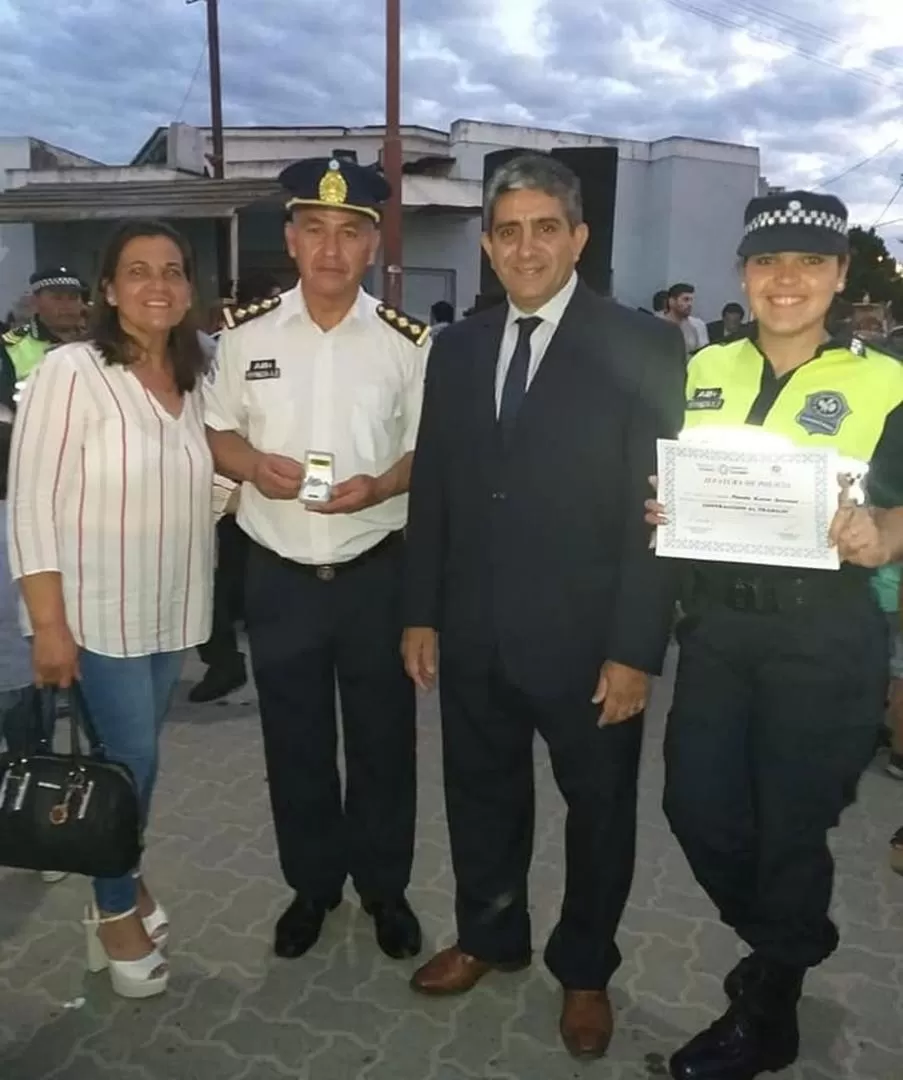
(156, 925)
(142, 978)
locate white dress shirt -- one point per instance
(115, 493)
(355, 392)
(551, 314)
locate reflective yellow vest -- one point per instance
(25, 350)
(839, 400)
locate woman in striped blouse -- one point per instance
(111, 538)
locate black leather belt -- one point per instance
(772, 594)
(330, 571)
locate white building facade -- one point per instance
(677, 210)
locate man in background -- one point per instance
(442, 314)
(58, 316)
(679, 310)
(226, 664)
(730, 324)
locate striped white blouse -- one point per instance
(111, 490)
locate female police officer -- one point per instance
(782, 674)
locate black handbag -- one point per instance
(75, 813)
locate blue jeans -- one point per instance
(128, 698)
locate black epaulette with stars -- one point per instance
(233, 317)
(410, 328)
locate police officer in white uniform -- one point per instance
(326, 370)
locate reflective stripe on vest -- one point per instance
(839, 400)
(26, 354)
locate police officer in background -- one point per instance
(59, 315)
(781, 683)
(226, 669)
(325, 370)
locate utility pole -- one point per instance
(218, 160)
(392, 160)
(224, 256)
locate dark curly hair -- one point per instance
(106, 330)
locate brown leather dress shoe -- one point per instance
(587, 1023)
(453, 971)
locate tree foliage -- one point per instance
(873, 272)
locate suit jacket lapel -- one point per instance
(562, 354)
(488, 342)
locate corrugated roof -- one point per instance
(189, 198)
(195, 197)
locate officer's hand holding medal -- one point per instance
(278, 477)
(350, 496)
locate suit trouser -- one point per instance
(488, 728)
(306, 635)
(221, 648)
(773, 721)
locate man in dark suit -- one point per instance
(529, 560)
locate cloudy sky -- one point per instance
(819, 87)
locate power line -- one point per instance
(780, 21)
(733, 24)
(194, 79)
(893, 199)
(859, 164)
(747, 8)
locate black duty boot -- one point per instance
(397, 929)
(759, 1033)
(219, 680)
(299, 926)
(743, 975)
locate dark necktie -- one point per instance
(515, 389)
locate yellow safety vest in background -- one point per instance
(839, 400)
(25, 350)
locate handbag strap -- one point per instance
(79, 720)
(80, 716)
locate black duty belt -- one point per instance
(772, 594)
(330, 571)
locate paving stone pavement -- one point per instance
(344, 1012)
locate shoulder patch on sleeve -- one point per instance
(233, 317)
(410, 328)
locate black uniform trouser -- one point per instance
(221, 648)
(773, 721)
(488, 728)
(306, 635)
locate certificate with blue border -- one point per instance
(766, 507)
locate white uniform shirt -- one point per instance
(354, 391)
(115, 493)
(551, 314)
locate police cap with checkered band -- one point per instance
(55, 277)
(795, 221)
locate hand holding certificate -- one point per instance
(769, 507)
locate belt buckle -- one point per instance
(325, 573)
